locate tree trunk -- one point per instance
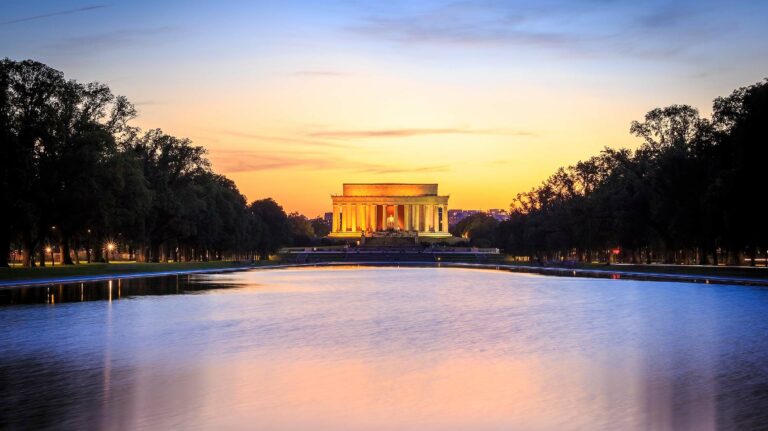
(42, 256)
(66, 257)
(669, 257)
(98, 251)
(5, 245)
(27, 258)
(734, 258)
(76, 254)
(28, 252)
(703, 256)
(154, 252)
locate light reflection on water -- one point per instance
(385, 348)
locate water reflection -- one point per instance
(106, 290)
(393, 349)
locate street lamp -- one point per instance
(110, 249)
(50, 250)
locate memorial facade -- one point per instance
(389, 208)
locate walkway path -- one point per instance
(609, 272)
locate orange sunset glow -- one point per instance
(287, 101)
(370, 127)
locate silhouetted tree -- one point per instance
(479, 228)
(274, 225)
(688, 194)
(301, 229)
(320, 227)
(74, 173)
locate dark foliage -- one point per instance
(691, 193)
(76, 176)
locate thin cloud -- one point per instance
(406, 133)
(583, 28)
(281, 139)
(249, 161)
(420, 169)
(419, 31)
(147, 103)
(52, 14)
(467, 23)
(318, 73)
(108, 41)
(667, 16)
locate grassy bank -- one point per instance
(716, 271)
(103, 269)
(96, 269)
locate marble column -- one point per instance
(372, 210)
(345, 217)
(360, 217)
(372, 217)
(416, 221)
(407, 217)
(335, 227)
(394, 213)
(349, 216)
(445, 218)
(436, 216)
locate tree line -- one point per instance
(77, 176)
(694, 192)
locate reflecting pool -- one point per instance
(383, 349)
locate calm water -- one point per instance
(384, 349)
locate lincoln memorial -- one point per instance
(381, 209)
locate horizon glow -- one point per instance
(487, 99)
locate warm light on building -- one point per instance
(408, 209)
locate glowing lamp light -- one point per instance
(110, 246)
(616, 251)
(47, 249)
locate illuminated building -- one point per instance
(390, 208)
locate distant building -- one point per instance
(328, 217)
(498, 214)
(457, 215)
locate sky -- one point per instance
(486, 98)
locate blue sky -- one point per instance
(461, 93)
